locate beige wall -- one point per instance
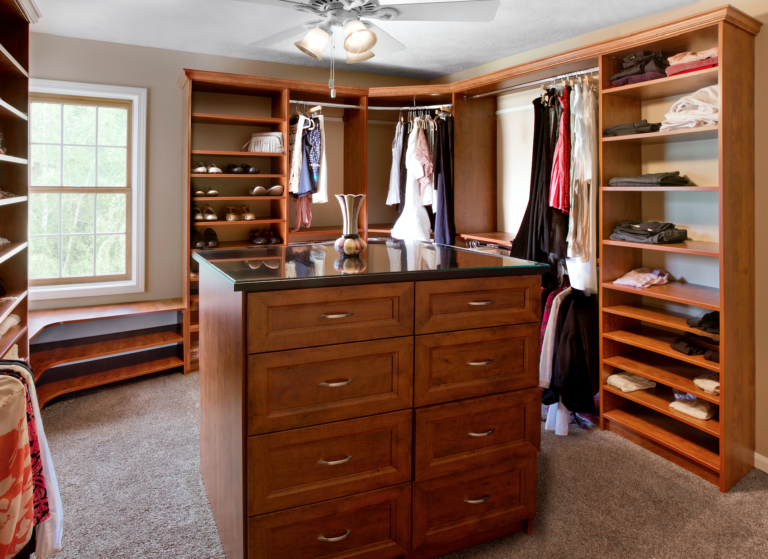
(759, 10)
(77, 60)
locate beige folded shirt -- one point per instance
(698, 408)
(709, 383)
(684, 57)
(629, 382)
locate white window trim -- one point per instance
(138, 96)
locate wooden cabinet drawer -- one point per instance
(374, 525)
(458, 437)
(291, 389)
(314, 464)
(444, 306)
(457, 365)
(281, 320)
(458, 511)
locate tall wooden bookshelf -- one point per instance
(15, 17)
(714, 271)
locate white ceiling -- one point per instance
(223, 27)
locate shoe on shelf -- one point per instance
(253, 264)
(197, 215)
(257, 238)
(274, 239)
(272, 264)
(276, 190)
(209, 214)
(231, 214)
(233, 169)
(199, 168)
(248, 170)
(198, 193)
(213, 169)
(258, 191)
(212, 193)
(247, 215)
(211, 239)
(197, 239)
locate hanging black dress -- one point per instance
(445, 230)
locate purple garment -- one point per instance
(638, 78)
(691, 66)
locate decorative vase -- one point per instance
(350, 265)
(350, 245)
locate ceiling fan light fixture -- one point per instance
(313, 43)
(353, 58)
(358, 38)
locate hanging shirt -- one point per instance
(393, 196)
(296, 131)
(559, 196)
(424, 157)
(413, 224)
(321, 193)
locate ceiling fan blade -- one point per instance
(279, 3)
(474, 10)
(386, 44)
(288, 35)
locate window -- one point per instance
(86, 189)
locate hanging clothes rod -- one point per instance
(332, 105)
(529, 84)
(410, 107)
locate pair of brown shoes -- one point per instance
(265, 237)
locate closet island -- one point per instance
(393, 412)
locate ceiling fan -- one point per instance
(360, 34)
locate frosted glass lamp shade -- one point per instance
(358, 38)
(355, 58)
(313, 43)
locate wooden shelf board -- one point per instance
(666, 87)
(193, 276)
(194, 327)
(7, 251)
(698, 248)
(49, 355)
(235, 153)
(9, 65)
(241, 222)
(669, 433)
(11, 337)
(11, 159)
(658, 341)
(234, 120)
(657, 316)
(14, 200)
(685, 293)
(385, 228)
(660, 188)
(664, 370)
(231, 245)
(235, 176)
(243, 198)
(659, 398)
(668, 136)
(321, 230)
(493, 237)
(10, 112)
(8, 306)
(194, 298)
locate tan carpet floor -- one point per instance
(127, 459)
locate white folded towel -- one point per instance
(697, 109)
(696, 407)
(8, 323)
(709, 383)
(629, 382)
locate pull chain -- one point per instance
(333, 64)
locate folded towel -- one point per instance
(629, 382)
(697, 109)
(691, 66)
(643, 277)
(651, 179)
(9, 323)
(709, 383)
(684, 57)
(695, 407)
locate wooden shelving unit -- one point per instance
(14, 125)
(637, 325)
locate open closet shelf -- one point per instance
(660, 188)
(685, 293)
(699, 248)
(234, 223)
(9, 250)
(11, 159)
(670, 433)
(12, 336)
(229, 245)
(668, 319)
(9, 65)
(661, 369)
(666, 87)
(7, 306)
(658, 341)
(234, 120)
(658, 399)
(234, 176)
(320, 229)
(493, 237)
(14, 200)
(240, 198)
(667, 136)
(236, 153)
(9, 112)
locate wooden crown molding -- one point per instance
(29, 9)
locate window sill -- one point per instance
(48, 292)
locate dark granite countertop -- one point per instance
(300, 267)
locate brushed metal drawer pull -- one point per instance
(341, 315)
(480, 303)
(335, 462)
(488, 432)
(336, 384)
(480, 363)
(337, 539)
(478, 501)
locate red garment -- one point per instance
(694, 70)
(696, 65)
(560, 189)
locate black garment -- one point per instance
(712, 356)
(28, 549)
(648, 232)
(641, 127)
(654, 65)
(710, 323)
(403, 169)
(654, 179)
(684, 347)
(640, 56)
(550, 396)
(444, 227)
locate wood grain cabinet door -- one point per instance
(463, 436)
(303, 387)
(445, 306)
(314, 464)
(373, 525)
(457, 365)
(281, 320)
(458, 511)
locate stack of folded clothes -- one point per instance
(709, 383)
(710, 322)
(697, 109)
(648, 232)
(640, 67)
(692, 344)
(693, 406)
(643, 277)
(642, 127)
(630, 382)
(654, 179)
(692, 61)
